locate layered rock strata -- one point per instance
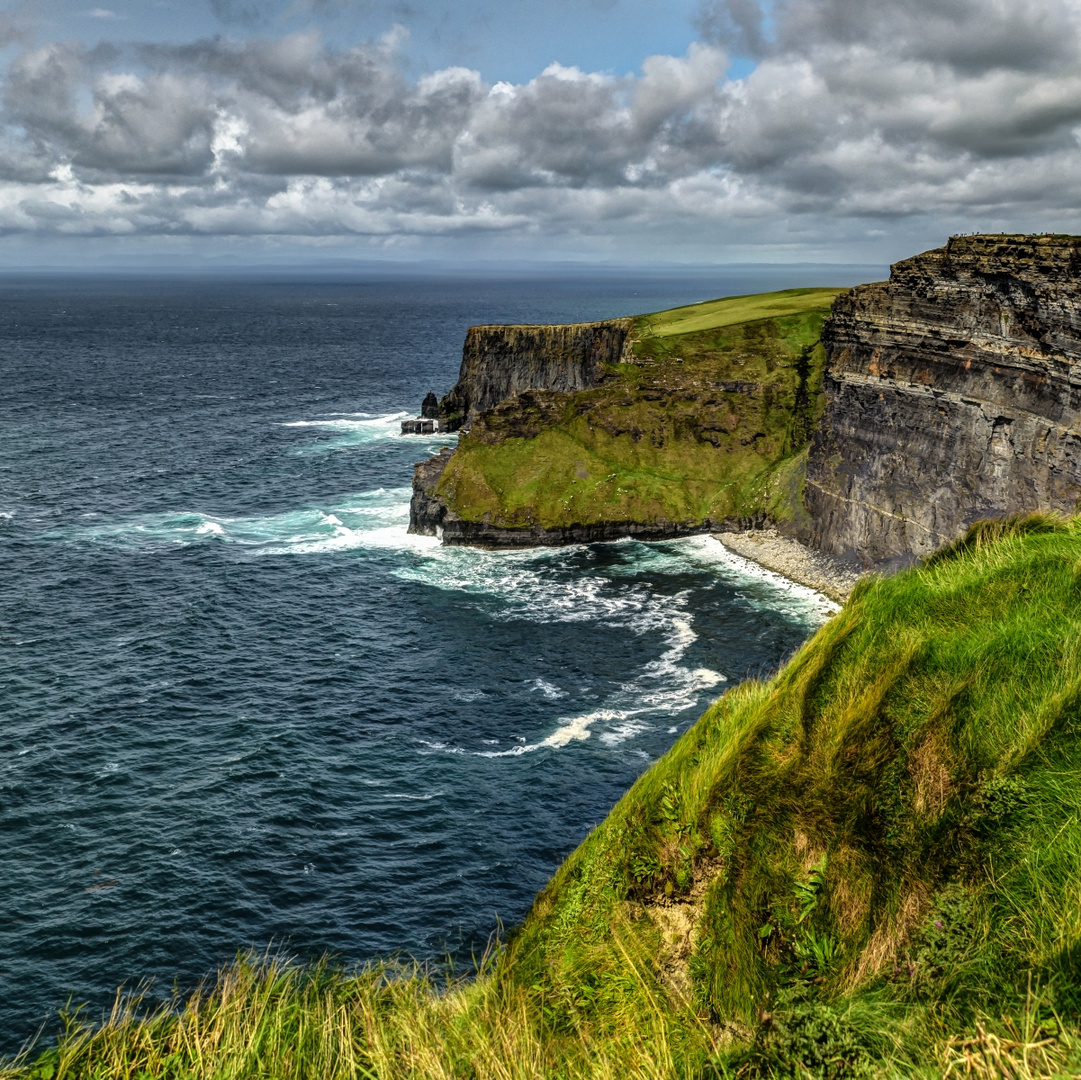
(953, 393)
(499, 362)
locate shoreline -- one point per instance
(792, 560)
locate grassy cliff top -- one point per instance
(707, 424)
(730, 310)
(868, 866)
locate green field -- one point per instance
(868, 866)
(730, 310)
(707, 424)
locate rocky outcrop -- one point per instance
(499, 362)
(954, 393)
(426, 510)
(429, 515)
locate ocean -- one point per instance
(242, 707)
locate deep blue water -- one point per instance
(240, 706)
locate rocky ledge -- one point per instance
(783, 555)
(429, 515)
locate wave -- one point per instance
(369, 519)
(758, 586)
(352, 430)
(551, 585)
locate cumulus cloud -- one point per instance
(852, 111)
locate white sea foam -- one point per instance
(351, 421)
(571, 729)
(370, 519)
(780, 593)
(468, 695)
(620, 733)
(549, 690)
(576, 729)
(538, 585)
(352, 430)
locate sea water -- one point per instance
(242, 707)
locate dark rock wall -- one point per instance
(499, 362)
(954, 393)
(426, 510)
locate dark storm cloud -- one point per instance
(968, 35)
(854, 109)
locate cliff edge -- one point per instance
(953, 393)
(500, 362)
(874, 431)
(683, 421)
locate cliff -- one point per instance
(953, 393)
(690, 420)
(499, 362)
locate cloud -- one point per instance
(943, 109)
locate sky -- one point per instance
(618, 132)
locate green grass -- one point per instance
(705, 425)
(869, 865)
(730, 310)
(884, 842)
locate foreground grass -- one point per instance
(868, 866)
(271, 1019)
(709, 423)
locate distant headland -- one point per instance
(872, 424)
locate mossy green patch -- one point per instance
(705, 426)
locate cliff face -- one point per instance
(954, 393)
(499, 362)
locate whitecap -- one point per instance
(549, 690)
(352, 430)
(622, 732)
(370, 519)
(467, 694)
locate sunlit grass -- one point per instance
(708, 426)
(730, 310)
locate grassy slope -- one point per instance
(660, 439)
(883, 844)
(731, 310)
(870, 865)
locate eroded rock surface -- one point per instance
(954, 393)
(499, 362)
